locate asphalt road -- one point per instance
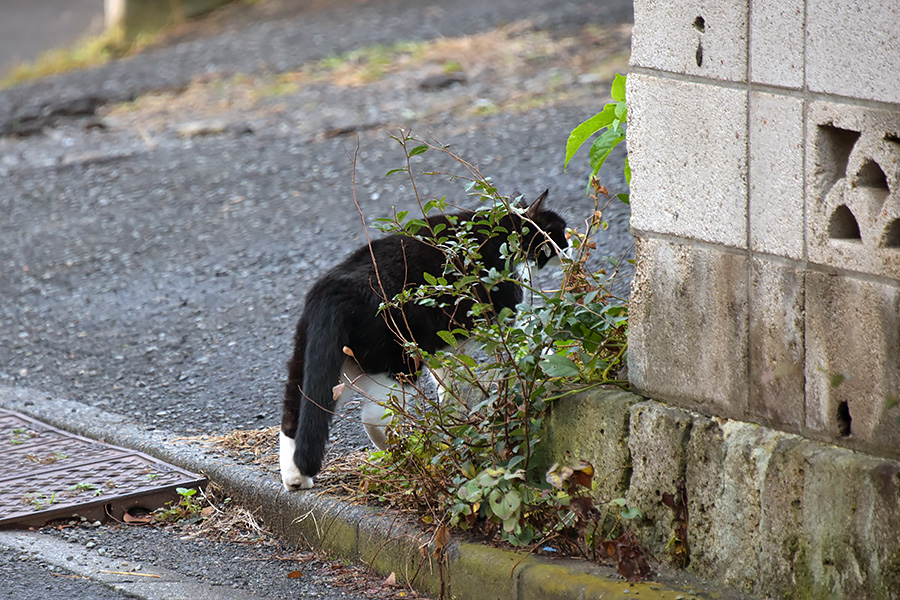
(153, 261)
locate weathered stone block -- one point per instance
(688, 327)
(853, 362)
(781, 547)
(591, 427)
(776, 175)
(706, 38)
(853, 49)
(687, 145)
(726, 467)
(853, 188)
(657, 440)
(777, 515)
(848, 542)
(776, 43)
(777, 354)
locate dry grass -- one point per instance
(230, 523)
(522, 67)
(261, 444)
(89, 51)
(340, 474)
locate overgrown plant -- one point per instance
(470, 460)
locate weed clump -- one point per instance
(464, 457)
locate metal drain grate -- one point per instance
(48, 474)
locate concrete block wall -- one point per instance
(764, 141)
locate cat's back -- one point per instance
(391, 263)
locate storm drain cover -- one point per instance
(48, 474)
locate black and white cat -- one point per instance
(342, 312)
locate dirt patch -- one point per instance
(512, 68)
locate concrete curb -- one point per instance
(373, 537)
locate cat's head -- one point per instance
(543, 246)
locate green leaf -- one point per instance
(447, 337)
(631, 513)
(418, 150)
(466, 360)
(603, 145)
(618, 88)
(583, 132)
(392, 171)
(625, 198)
(627, 171)
(559, 366)
(505, 505)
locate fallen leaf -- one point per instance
(295, 575)
(143, 520)
(391, 579)
(442, 537)
(337, 390)
(209, 510)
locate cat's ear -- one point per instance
(535, 206)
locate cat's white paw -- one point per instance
(291, 476)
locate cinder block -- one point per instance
(776, 42)
(687, 145)
(853, 188)
(777, 386)
(697, 37)
(853, 49)
(688, 327)
(853, 362)
(776, 175)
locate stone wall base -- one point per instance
(771, 513)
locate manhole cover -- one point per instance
(47, 474)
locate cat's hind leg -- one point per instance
(376, 390)
(442, 378)
(291, 477)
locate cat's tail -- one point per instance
(326, 337)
